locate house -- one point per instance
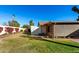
(60, 29)
(35, 30)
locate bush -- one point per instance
(17, 29)
(27, 31)
(9, 30)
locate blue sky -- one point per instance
(42, 13)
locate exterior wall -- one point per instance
(52, 30)
(35, 30)
(3, 31)
(64, 30)
(48, 30)
(43, 29)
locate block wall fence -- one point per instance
(9, 29)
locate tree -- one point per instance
(39, 24)
(31, 23)
(78, 18)
(13, 23)
(75, 9)
(25, 26)
(5, 24)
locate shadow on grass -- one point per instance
(39, 38)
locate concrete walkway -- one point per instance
(75, 40)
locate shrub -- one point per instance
(9, 30)
(17, 29)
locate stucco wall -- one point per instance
(64, 30)
(43, 29)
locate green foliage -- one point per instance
(5, 24)
(75, 9)
(31, 23)
(38, 24)
(25, 26)
(13, 23)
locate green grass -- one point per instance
(23, 43)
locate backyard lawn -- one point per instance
(18, 43)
